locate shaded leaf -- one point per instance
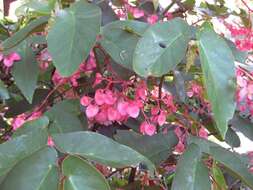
(26, 72)
(4, 94)
(79, 174)
(232, 138)
(81, 23)
(64, 117)
(219, 76)
(234, 163)
(161, 48)
(239, 56)
(156, 148)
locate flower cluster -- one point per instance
(9, 59)
(121, 100)
(243, 37)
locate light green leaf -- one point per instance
(191, 173)
(161, 48)
(19, 36)
(219, 76)
(26, 71)
(13, 151)
(71, 46)
(99, 148)
(81, 175)
(35, 172)
(156, 148)
(119, 39)
(218, 176)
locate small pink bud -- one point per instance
(85, 100)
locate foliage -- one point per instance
(119, 95)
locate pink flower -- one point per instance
(161, 118)
(109, 97)
(137, 13)
(133, 110)
(98, 79)
(147, 128)
(85, 100)
(50, 141)
(92, 110)
(203, 133)
(112, 114)
(10, 58)
(99, 97)
(18, 121)
(122, 107)
(152, 19)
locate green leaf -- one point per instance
(35, 172)
(13, 151)
(81, 23)
(64, 117)
(219, 178)
(243, 125)
(26, 71)
(99, 148)
(156, 148)
(4, 94)
(19, 36)
(232, 138)
(119, 39)
(161, 48)
(32, 126)
(80, 174)
(219, 76)
(233, 162)
(191, 173)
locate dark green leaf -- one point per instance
(119, 39)
(64, 117)
(156, 148)
(191, 173)
(43, 7)
(232, 138)
(19, 36)
(99, 148)
(81, 175)
(81, 23)
(242, 125)
(4, 94)
(161, 48)
(13, 151)
(26, 71)
(35, 172)
(219, 76)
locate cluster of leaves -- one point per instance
(61, 53)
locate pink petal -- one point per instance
(112, 114)
(133, 110)
(85, 100)
(99, 97)
(161, 118)
(92, 110)
(122, 107)
(14, 56)
(8, 62)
